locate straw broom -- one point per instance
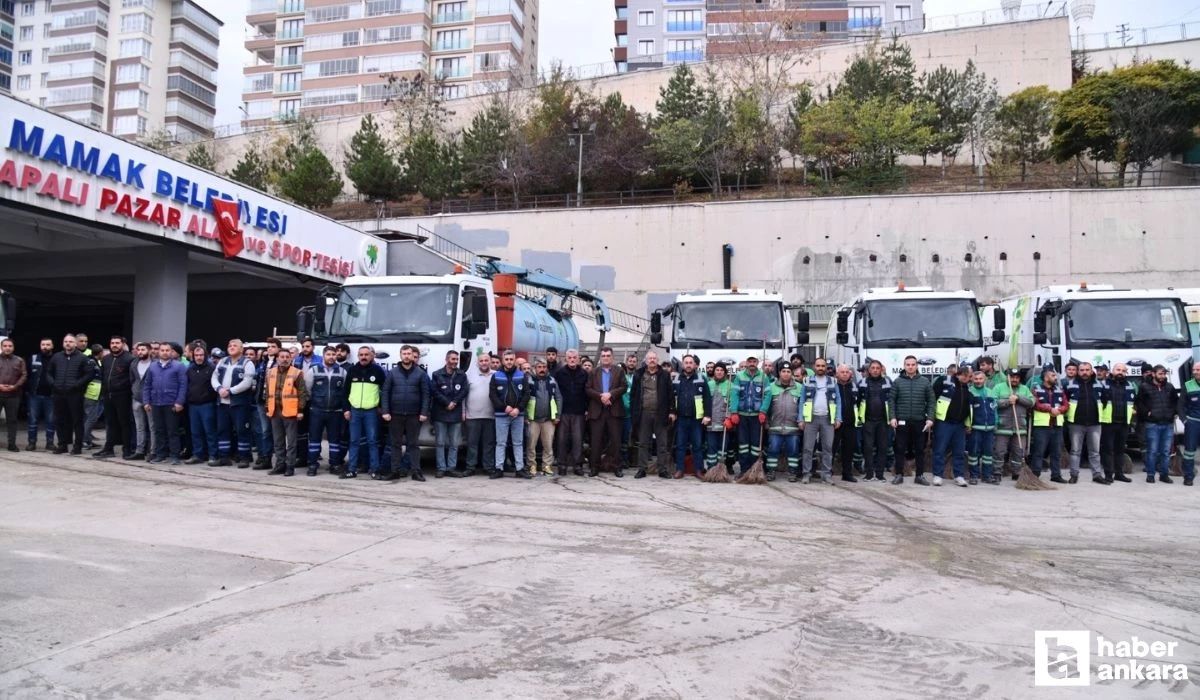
(720, 473)
(755, 474)
(1028, 481)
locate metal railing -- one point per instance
(1136, 37)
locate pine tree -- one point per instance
(369, 163)
(202, 156)
(680, 99)
(251, 170)
(432, 168)
(311, 181)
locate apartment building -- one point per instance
(7, 30)
(129, 67)
(320, 56)
(654, 33)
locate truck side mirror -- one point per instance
(843, 324)
(304, 322)
(999, 319)
(479, 309)
(10, 311)
(802, 322)
(842, 338)
(802, 337)
(998, 336)
(1039, 324)
(479, 326)
(656, 328)
(1039, 338)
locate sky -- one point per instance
(579, 32)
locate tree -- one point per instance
(495, 153)
(432, 166)
(680, 98)
(697, 146)
(310, 181)
(1024, 126)
(945, 91)
(369, 163)
(749, 151)
(560, 107)
(887, 72)
(202, 155)
(620, 150)
(159, 140)
(1129, 116)
(418, 107)
(794, 128)
(252, 169)
(981, 101)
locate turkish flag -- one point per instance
(228, 226)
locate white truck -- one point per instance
(728, 325)
(890, 323)
(1099, 323)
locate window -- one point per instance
(46, 54)
(394, 62)
(333, 13)
(496, 34)
(335, 40)
(27, 32)
(490, 62)
(452, 92)
(292, 29)
(903, 13)
(5, 56)
(132, 73)
(76, 69)
(6, 31)
(45, 80)
(27, 9)
(387, 35)
(127, 4)
(685, 21)
(194, 39)
(622, 40)
(290, 82)
(255, 109)
(685, 50)
(193, 65)
(288, 109)
(646, 18)
(191, 88)
(25, 58)
(451, 68)
(24, 82)
(379, 8)
(129, 48)
(622, 13)
(129, 125)
(129, 99)
(137, 22)
(645, 47)
(331, 96)
(485, 8)
(622, 66)
(289, 56)
(451, 40)
(46, 30)
(325, 69)
(451, 12)
(182, 108)
(377, 92)
(866, 17)
(82, 18)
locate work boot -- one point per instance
(522, 474)
(193, 460)
(898, 479)
(1058, 479)
(641, 474)
(1097, 479)
(851, 479)
(1120, 476)
(771, 475)
(60, 450)
(792, 478)
(495, 473)
(593, 472)
(806, 480)
(214, 462)
(921, 480)
(102, 454)
(827, 480)
(664, 474)
(578, 471)
(12, 447)
(618, 472)
(349, 475)
(458, 474)
(279, 469)
(1187, 481)
(245, 464)
(290, 471)
(973, 481)
(1149, 478)
(1074, 479)
(417, 475)
(439, 474)
(1166, 479)
(31, 447)
(312, 471)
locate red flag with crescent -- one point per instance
(228, 226)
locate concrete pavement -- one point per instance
(122, 580)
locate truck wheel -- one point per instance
(1126, 464)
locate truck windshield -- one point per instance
(407, 313)
(738, 324)
(923, 323)
(1127, 323)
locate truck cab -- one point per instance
(728, 325)
(1100, 324)
(889, 324)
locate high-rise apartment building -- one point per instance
(654, 33)
(314, 56)
(7, 30)
(129, 67)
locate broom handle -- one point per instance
(1017, 426)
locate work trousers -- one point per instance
(1091, 434)
(41, 413)
(875, 446)
(949, 437)
(689, 433)
(364, 426)
(481, 443)
(981, 460)
(510, 428)
(404, 432)
(323, 423)
(650, 426)
(11, 406)
(820, 428)
(845, 443)
(540, 432)
(607, 425)
(166, 432)
(233, 429)
(570, 440)
(749, 436)
(1191, 441)
(786, 445)
(260, 432)
(1010, 450)
(285, 433)
(1047, 445)
(1113, 439)
(68, 411)
(118, 423)
(719, 449)
(911, 435)
(203, 420)
(93, 410)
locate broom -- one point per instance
(1028, 481)
(755, 474)
(720, 473)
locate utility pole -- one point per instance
(1123, 29)
(578, 134)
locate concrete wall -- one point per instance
(820, 250)
(1017, 55)
(1182, 52)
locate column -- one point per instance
(160, 287)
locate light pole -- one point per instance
(577, 134)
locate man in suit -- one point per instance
(606, 411)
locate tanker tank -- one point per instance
(535, 329)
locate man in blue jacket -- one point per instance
(405, 407)
(450, 391)
(164, 393)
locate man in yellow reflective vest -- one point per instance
(1088, 409)
(693, 406)
(545, 401)
(286, 397)
(364, 393)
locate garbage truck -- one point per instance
(939, 328)
(728, 325)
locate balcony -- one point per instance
(288, 87)
(451, 73)
(452, 18)
(262, 12)
(861, 23)
(453, 45)
(264, 82)
(693, 56)
(258, 40)
(291, 7)
(620, 26)
(291, 34)
(285, 61)
(685, 27)
(77, 47)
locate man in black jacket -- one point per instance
(69, 373)
(406, 397)
(41, 399)
(1157, 404)
(202, 409)
(117, 393)
(650, 403)
(572, 383)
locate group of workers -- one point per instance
(292, 406)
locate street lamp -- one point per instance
(577, 134)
